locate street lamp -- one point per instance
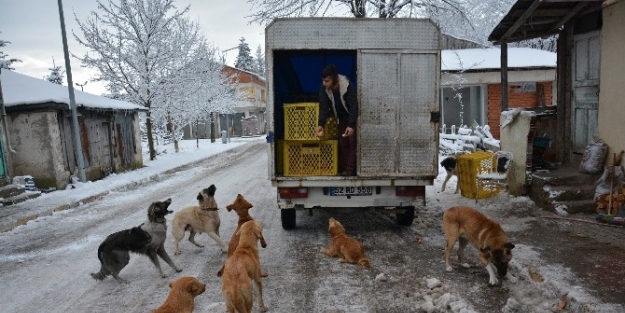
(81, 85)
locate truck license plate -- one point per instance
(351, 191)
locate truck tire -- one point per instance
(288, 218)
(406, 218)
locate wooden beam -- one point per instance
(608, 3)
(569, 16)
(521, 20)
(504, 76)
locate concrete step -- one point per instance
(20, 198)
(578, 206)
(569, 193)
(11, 190)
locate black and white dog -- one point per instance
(449, 163)
(147, 239)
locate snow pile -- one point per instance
(434, 296)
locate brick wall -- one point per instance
(515, 100)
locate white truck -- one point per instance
(395, 66)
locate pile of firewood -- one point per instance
(611, 203)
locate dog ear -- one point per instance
(171, 284)
(230, 207)
(509, 246)
(200, 197)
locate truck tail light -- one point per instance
(410, 191)
(293, 193)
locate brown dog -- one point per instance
(241, 269)
(181, 298)
(348, 249)
(202, 218)
(466, 225)
(242, 208)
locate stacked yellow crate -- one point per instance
(305, 154)
(468, 167)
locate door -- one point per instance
(398, 91)
(586, 62)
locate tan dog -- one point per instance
(202, 218)
(348, 249)
(241, 269)
(464, 224)
(181, 298)
(242, 208)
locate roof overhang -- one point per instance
(529, 19)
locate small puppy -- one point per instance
(348, 249)
(242, 208)
(467, 225)
(156, 226)
(114, 251)
(202, 218)
(241, 268)
(449, 163)
(181, 298)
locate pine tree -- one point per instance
(56, 74)
(244, 61)
(6, 63)
(260, 62)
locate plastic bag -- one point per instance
(594, 156)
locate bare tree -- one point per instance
(135, 46)
(267, 10)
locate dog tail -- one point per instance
(364, 262)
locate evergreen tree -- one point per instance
(56, 74)
(6, 63)
(244, 61)
(260, 62)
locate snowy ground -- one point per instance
(44, 265)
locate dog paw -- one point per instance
(512, 278)
(264, 308)
(448, 268)
(224, 250)
(178, 270)
(164, 275)
(465, 265)
(177, 253)
(493, 282)
(264, 274)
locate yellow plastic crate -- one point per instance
(469, 166)
(310, 158)
(300, 122)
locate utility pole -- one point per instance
(80, 163)
(82, 85)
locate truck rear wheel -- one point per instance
(406, 218)
(288, 218)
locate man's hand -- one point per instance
(348, 132)
(319, 131)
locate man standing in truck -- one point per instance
(339, 95)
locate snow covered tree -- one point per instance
(260, 62)
(56, 74)
(4, 62)
(267, 10)
(137, 46)
(244, 61)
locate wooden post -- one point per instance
(504, 76)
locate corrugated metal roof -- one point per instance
(537, 18)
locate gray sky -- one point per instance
(34, 30)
